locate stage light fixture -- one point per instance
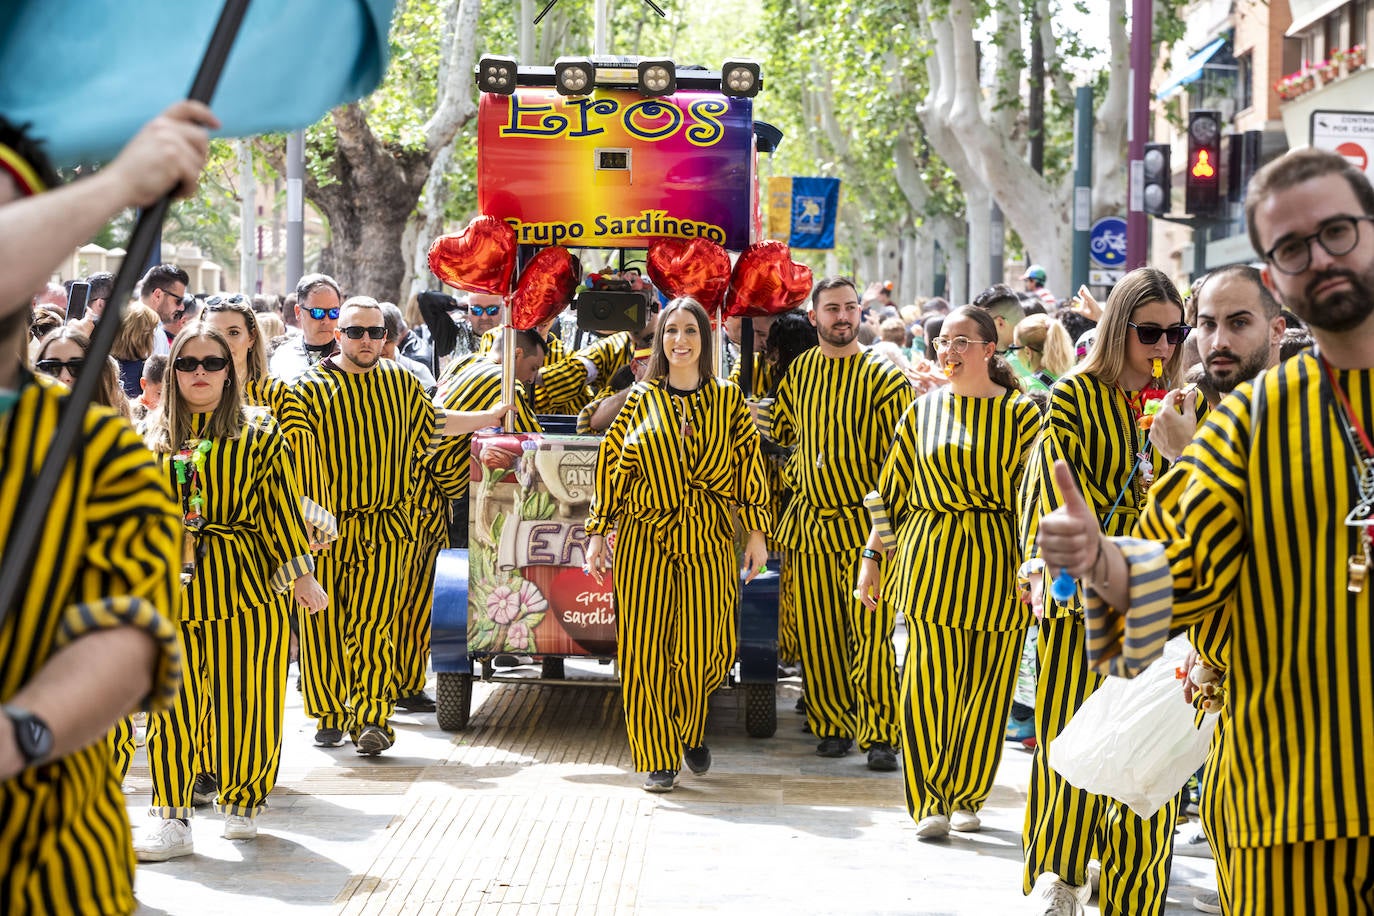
(496, 74)
(741, 78)
(657, 77)
(574, 76)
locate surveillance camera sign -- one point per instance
(1349, 133)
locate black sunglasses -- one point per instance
(54, 367)
(191, 364)
(1149, 334)
(177, 299)
(224, 300)
(357, 331)
(318, 314)
(484, 309)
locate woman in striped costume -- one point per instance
(950, 485)
(680, 457)
(245, 543)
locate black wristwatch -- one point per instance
(31, 734)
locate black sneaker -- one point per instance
(372, 741)
(833, 747)
(329, 737)
(416, 702)
(204, 790)
(698, 759)
(800, 708)
(660, 781)
(881, 757)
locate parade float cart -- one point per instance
(589, 154)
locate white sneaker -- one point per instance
(932, 827)
(1208, 902)
(1054, 897)
(239, 827)
(1195, 845)
(965, 821)
(166, 839)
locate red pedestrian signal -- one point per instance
(1202, 181)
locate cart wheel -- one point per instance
(553, 668)
(760, 710)
(453, 700)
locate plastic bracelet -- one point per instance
(870, 554)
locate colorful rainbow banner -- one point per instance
(616, 170)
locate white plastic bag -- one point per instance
(1135, 740)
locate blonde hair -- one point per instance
(171, 426)
(1048, 345)
(1142, 286)
(134, 339)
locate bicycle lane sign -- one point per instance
(1107, 242)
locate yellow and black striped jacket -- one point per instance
(106, 557)
(681, 464)
(950, 486)
(1255, 512)
(565, 380)
(841, 414)
(556, 396)
(373, 428)
(281, 402)
(253, 543)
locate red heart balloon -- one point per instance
(545, 287)
(697, 267)
(766, 281)
(480, 259)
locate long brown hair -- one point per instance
(999, 370)
(172, 425)
(1140, 287)
(658, 360)
(109, 393)
(256, 363)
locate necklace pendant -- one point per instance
(1356, 572)
(820, 459)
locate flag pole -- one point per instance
(24, 537)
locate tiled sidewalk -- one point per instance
(534, 810)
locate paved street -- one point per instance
(535, 810)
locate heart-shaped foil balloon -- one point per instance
(697, 267)
(766, 281)
(545, 287)
(479, 259)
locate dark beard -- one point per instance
(1245, 370)
(1343, 311)
(830, 337)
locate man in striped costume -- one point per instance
(1268, 512)
(839, 406)
(374, 425)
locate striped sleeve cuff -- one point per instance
(1124, 644)
(292, 570)
(882, 523)
(436, 431)
(763, 417)
(125, 611)
(756, 518)
(324, 528)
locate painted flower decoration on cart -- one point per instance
(506, 605)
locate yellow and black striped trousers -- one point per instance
(1210, 808)
(411, 630)
(789, 640)
(1327, 877)
(675, 631)
(956, 694)
(237, 667)
(1066, 826)
(348, 658)
(121, 739)
(847, 654)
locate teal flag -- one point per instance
(87, 74)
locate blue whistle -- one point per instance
(1064, 586)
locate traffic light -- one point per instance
(1202, 179)
(1158, 179)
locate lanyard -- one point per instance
(1350, 425)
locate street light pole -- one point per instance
(1137, 224)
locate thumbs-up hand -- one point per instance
(1068, 537)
